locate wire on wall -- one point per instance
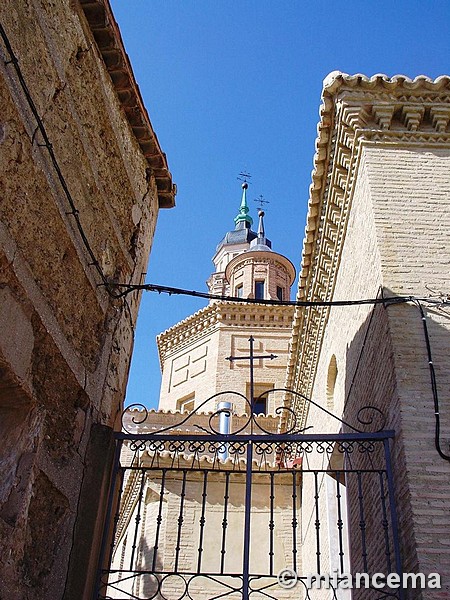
(437, 435)
(47, 144)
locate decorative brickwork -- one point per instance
(377, 226)
(357, 112)
(193, 353)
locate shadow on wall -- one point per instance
(31, 507)
(150, 583)
(387, 366)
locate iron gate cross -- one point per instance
(248, 478)
(252, 359)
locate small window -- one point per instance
(259, 290)
(279, 293)
(239, 292)
(260, 406)
(261, 393)
(186, 404)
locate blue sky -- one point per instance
(234, 85)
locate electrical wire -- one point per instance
(73, 208)
(47, 144)
(173, 291)
(437, 434)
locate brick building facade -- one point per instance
(193, 352)
(83, 179)
(377, 227)
(376, 230)
(181, 518)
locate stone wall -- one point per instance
(76, 189)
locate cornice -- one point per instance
(222, 314)
(174, 463)
(355, 111)
(139, 421)
(261, 257)
(146, 422)
(186, 331)
(107, 36)
(335, 81)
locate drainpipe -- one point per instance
(224, 409)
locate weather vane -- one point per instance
(243, 176)
(260, 200)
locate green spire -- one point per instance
(243, 215)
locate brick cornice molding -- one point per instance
(355, 111)
(258, 258)
(222, 314)
(186, 331)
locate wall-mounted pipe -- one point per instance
(225, 412)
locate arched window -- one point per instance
(331, 382)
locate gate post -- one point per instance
(108, 532)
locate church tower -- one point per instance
(193, 353)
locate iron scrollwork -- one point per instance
(366, 415)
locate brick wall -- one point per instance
(194, 354)
(413, 220)
(396, 238)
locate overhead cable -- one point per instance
(174, 291)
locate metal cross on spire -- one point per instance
(260, 200)
(243, 218)
(243, 176)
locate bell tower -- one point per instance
(260, 273)
(234, 243)
(193, 352)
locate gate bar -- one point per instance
(277, 437)
(248, 508)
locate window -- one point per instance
(260, 406)
(261, 393)
(259, 290)
(279, 293)
(239, 291)
(186, 404)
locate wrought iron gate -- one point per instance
(188, 523)
(199, 514)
